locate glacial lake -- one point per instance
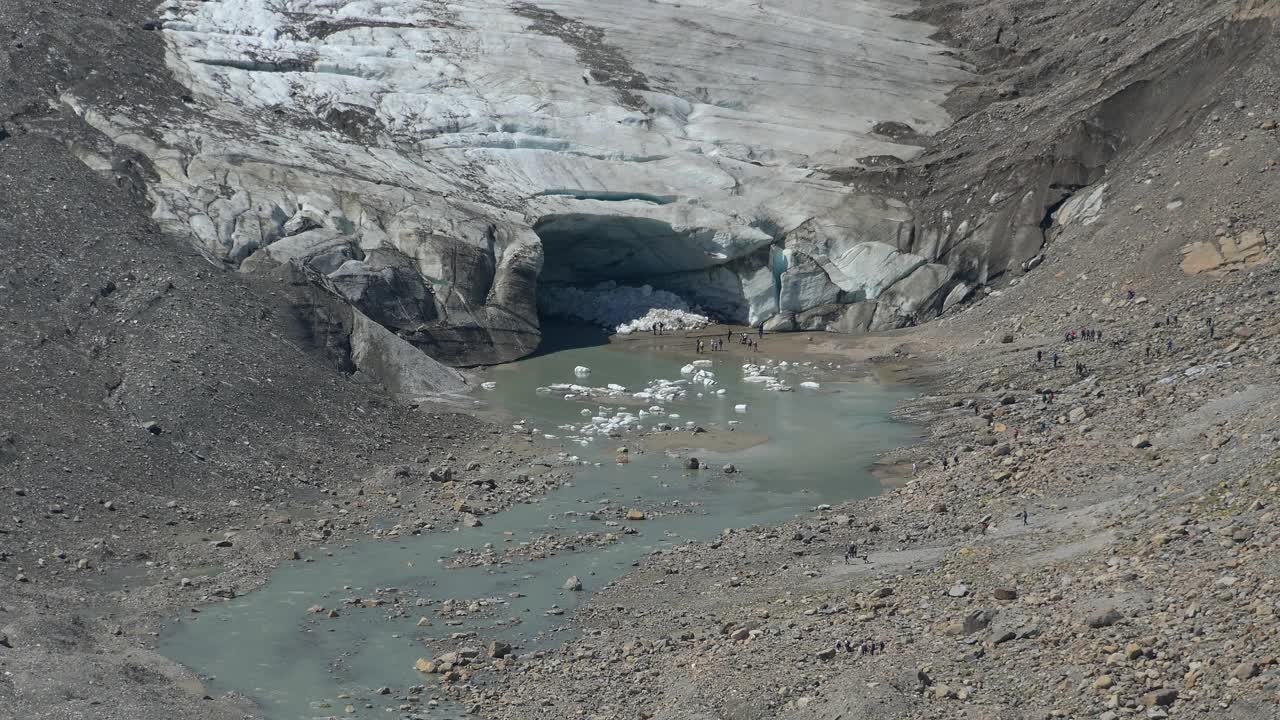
(793, 450)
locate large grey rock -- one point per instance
(397, 365)
(1104, 617)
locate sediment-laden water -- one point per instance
(793, 450)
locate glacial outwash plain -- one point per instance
(639, 359)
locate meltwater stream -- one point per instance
(808, 446)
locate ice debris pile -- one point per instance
(607, 420)
(670, 319)
(621, 308)
(697, 379)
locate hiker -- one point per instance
(699, 347)
(1210, 321)
(1039, 355)
(760, 330)
(1050, 397)
(915, 469)
(1024, 516)
(1055, 360)
(1169, 346)
(728, 335)
(850, 552)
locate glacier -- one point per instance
(438, 161)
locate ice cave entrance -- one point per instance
(626, 273)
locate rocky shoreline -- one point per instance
(1145, 551)
(1141, 583)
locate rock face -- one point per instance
(1225, 254)
(437, 161)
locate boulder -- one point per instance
(978, 620)
(1245, 670)
(1162, 697)
(399, 366)
(1106, 617)
(573, 583)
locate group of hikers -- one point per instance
(866, 647)
(716, 344)
(658, 328)
(851, 554)
(1084, 333)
